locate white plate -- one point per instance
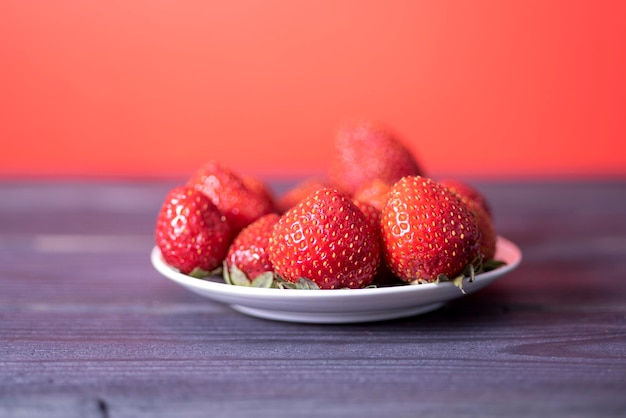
(339, 305)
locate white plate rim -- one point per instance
(298, 305)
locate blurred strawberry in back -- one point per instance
(469, 192)
(375, 193)
(256, 186)
(364, 151)
(298, 193)
(373, 215)
(242, 202)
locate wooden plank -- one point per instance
(167, 353)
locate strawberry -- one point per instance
(383, 277)
(374, 193)
(471, 193)
(298, 193)
(372, 215)
(249, 249)
(479, 205)
(191, 232)
(428, 233)
(325, 238)
(366, 151)
(259, 187)
(237, 201)
(488, 233)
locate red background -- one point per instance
(154, 88)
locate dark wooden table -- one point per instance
(89, 329)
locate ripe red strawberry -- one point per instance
(488, 233)
(259, 187)
(238, 202)
(191, 232)
(366, 151)
(326, 239)
(383, 277)
(298, 193)
(372, 215)
(427, 231)
(479, 205)
(249, 249)
(374, 193)
(471, 193)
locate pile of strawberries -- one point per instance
(376, 220)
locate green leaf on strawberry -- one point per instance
(236, 277)
(263, 280)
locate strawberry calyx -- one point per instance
(469, 272)
(199, 273)
(236, 277)
(305, 284)
(301, 284)
(269, 279)
(492, 265)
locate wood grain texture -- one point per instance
(89, 329)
